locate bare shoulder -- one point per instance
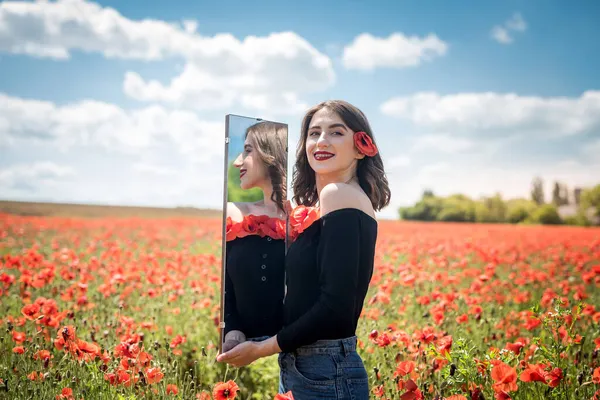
(336, 196)
(236, 211)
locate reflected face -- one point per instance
(252, 170)
(330, 143)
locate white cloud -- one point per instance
(259, 73)
(398, 162)
(367, 52)
(516, 23)
(154, 170)
(55, 29)
(592, 149)
(265, 74)
(501, 33)
(499, 114)
(93, 124)
(30, 178)
(443, 143)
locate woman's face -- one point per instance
(330, 144)
(252, 170)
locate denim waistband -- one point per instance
(258, 338)
(334, 346)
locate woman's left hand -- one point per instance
(241, 355)
(246, 353)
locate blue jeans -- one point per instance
(326, 369)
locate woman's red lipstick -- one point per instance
(323, 155)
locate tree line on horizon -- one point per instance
(580, 207)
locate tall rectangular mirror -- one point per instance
(254, 230)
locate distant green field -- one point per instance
(101, 211)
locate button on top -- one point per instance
(269, 239)
(264, 256)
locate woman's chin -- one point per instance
(247, 185)
(323, 169)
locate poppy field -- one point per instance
(127, 308)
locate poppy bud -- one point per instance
(142, 377)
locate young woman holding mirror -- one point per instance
(255, 239)
(339, 174)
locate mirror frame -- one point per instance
(224, 217)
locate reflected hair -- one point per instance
(370, 172)
(270, 139)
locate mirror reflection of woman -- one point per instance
(339, 174)
(255, 248)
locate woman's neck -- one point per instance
(267, 203)
(345, 176)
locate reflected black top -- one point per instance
(254, 285)
(329, 267)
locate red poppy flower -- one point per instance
(365, 144)
(225, 390)
(273, 227)
(533, 373)
(261, 225)
(65, 394)
(302, 217)
(154, 375)
(285, 396)
(505, 378)
(31, 311)
(231, 229)
(250, 226)
(172, 389)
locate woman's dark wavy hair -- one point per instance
(270, 140)
(370, 172)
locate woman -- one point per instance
(330, 263)
(255, 249)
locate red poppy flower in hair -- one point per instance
(364, 144)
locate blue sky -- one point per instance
(98, 106)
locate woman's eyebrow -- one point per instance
(330, 126)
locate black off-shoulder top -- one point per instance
(329, 267)
(254, 285)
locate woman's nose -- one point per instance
(322, 140)
(238, 161)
